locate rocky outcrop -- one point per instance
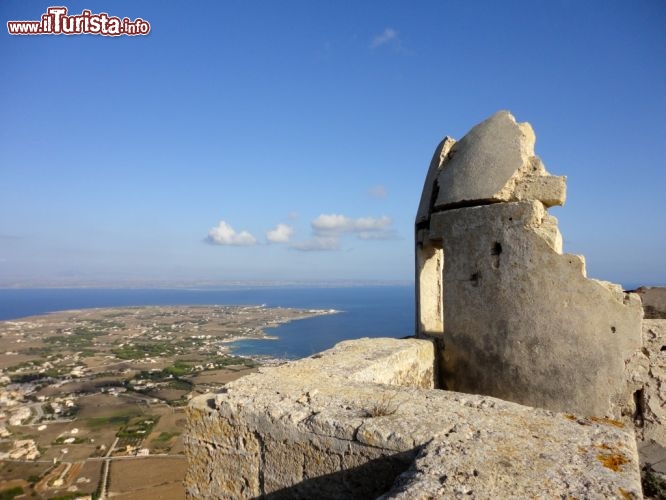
(654, 301)
(513, 317)
(350, 423)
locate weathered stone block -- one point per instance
(352, 439)
(484, 463)
(494, 162)
(233, 454)
(385, 361)
(649, 378)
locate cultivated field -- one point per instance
(100, 393)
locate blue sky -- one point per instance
(125, 159)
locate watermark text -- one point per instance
(56, 21)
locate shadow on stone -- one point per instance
(367, 481)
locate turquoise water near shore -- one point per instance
(365, 311)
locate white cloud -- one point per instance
(378, 191)
(332, 224)
(329, 229)
(378, 235)
(224, 234)
(317, 244)
(281, 234)
(372, 223)
(387, 36)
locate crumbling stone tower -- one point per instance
(512, 316)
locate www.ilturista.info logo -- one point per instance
(57, 22)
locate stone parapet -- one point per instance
(345, 424)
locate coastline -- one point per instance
(260, 334)
(385, 311)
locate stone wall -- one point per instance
(650, 381)
(362, 420)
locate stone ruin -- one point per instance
(513, 316)
(525, 378)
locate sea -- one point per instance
(364, 311)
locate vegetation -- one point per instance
(37, 351)
(22, 365)
(181, 385)
(143, 350)
(138, 427)
(11, 493)
(383, 407)
(80, 338)
(165, 436)
(65, 412)
(110, 420)
(26, 378)
(222, 361)
(654, 486)
(66, 496)
(105, 324)
(169, 373)
(83, 337)
(178, 369)
(174, 372)
(179, 402)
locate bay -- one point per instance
(365, 311)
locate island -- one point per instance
(86, 393)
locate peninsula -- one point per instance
(82, 392)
